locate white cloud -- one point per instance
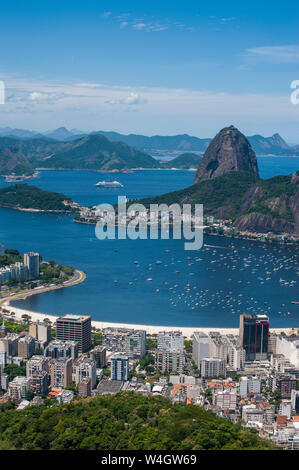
(38, 96)
(167, 110)
(288, 53)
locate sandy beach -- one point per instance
(150, 329)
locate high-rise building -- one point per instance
(171, 361)
(98, 354)
(31, 260)
(37, 364)
(213, 367)
(84, 388)
(200, 347)
(75, 328)
(39, 382)
(59, 348)
(40, 331)
(26, 346)
(18, 388)
(254, 336)
(61, 372)
(129, 341)
(85, 368)
(120, 367)
(170, 341)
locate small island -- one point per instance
(32, 199)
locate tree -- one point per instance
(29, 395)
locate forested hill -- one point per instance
(95, 152)
(125, 421)
(24, 196)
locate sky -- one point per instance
(150, 67)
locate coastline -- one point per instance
(78, 277)
(150, 329)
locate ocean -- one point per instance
(208, 288)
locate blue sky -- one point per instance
(150, 67)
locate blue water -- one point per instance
(231, 277)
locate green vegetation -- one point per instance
(13, 161)
(125, 421)
(227, 190)
(184, 161)
(52, 272)
(95, 152)
(10, 256)
(24, 196)
(13, 370)
(237, 194)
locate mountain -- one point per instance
(253, 204)
(61, 133)
(12, 160)
(228, 152)
(177, 142)
(275, 145)
(185, 161)
(32, 149)
(18, 133)
(95, 152)
(227, 183)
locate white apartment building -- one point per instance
(200, 347)
(170, 341)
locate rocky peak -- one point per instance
(229, 151)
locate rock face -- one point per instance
(229, 151)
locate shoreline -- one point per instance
(150, 329)
(78, 277)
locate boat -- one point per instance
(295, 303)
(109, 184)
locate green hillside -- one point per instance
(24, 196)
(126, 421)
(95, 152)
(184, 161)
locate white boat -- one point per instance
(109, 184)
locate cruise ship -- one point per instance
(109, 184)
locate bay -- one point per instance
(231, 277)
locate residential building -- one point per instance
(31, 261)
(98, 354)
(58, 348)
(26, 347)
(213, 367)
(170, 360)
(18, 388)
(170, 341)
(61, 372)
(131, 342)
(200, 347)
(84, 387)
(85, 368)
(120, 367)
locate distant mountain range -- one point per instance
(274, 145)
